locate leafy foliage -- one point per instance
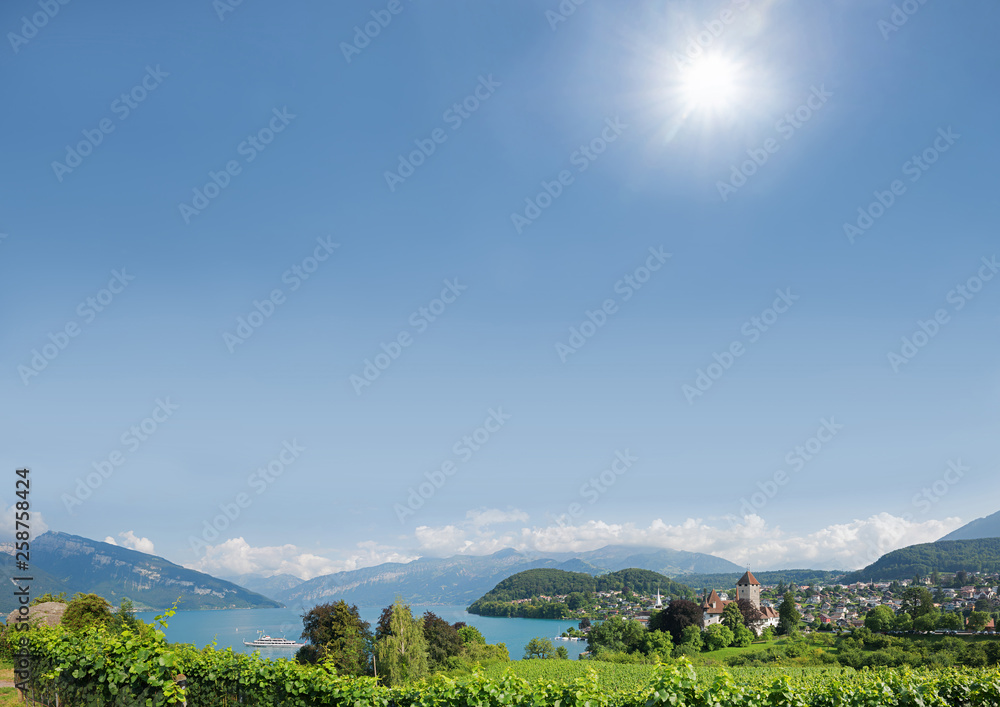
(337, 634)
(87, 611)
(680, 614)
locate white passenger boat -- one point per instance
(265, 641)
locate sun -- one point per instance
(711, 83)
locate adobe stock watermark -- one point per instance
(30, 26)
(419, 320)
(225, 7)
(263, 310)
(899, 16)
(697, 43)
(597, 486)
(364, 34)
(626, 287)
(958, 297)
(122, 107)
(786, 127)
(463, 451)
(923, 500)
(249, 149)
(581, 158)
(87, 312)
(562, 13)
(796, 460)
(914, 168)
(258, 482)
(131, 439)
(752, 330)
(454, 117)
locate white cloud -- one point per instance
(750, 539)
(9, 515)
(132, 542)
(236, 556)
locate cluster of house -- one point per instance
(841, 605)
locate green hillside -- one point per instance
(535, 583)
(944, 556)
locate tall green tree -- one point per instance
(917, 601)
(401, 652)
(978, 620)
(616, 635)
(881, 619)
(336, 632)
(680, 614)
(732, 617)
(443, 640)
(538, 648)
(717, 636)
(788, 615)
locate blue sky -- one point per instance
(725, 144)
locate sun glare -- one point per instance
(711, 83)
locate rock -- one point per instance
(49, 613)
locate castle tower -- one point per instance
(749, 588)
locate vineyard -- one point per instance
(141, 668)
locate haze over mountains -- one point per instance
(463, 579)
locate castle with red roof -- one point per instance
(746, 588)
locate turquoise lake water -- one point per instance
(231, 627)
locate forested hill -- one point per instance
(944, 556)
(535, 583)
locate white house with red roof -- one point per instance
(746, 588)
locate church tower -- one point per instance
(749, 588)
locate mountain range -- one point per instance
(61, 562)
(463, 579)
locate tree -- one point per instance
(768, 634)
(562, 653)
(788, 615)
(978, 620)
(903, 622)
(917, 601)
(935, 578)
(584, 623)
(732, 617)
(401, 654)
(656, 643)
(925, 622)
(752, 618)
(616, 635)
(983, 604)
(336, 632)
(742, 637)
(576, 600)
(538, 648)
(881, 619)
(471, 634)
(443, 639)
(87, 611)
(124, 617)
(717, 636)
(680, 614)
(951, 621)
(691, 636)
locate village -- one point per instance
(822, 607)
